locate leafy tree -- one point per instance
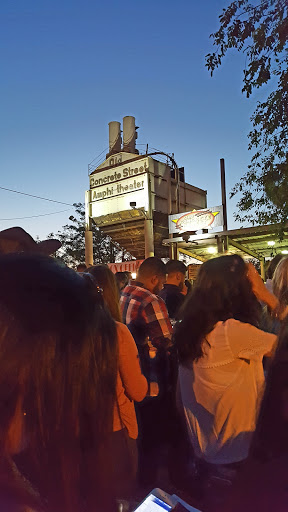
(72, 237)
(260, 30)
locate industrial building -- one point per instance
(131, 195)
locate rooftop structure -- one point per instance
(132, 194)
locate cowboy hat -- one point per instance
(18, 240)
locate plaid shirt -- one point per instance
(145, 315)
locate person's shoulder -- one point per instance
(141, 294)
(147, 299)
(146, 295)
(153, 298)
(126, 342)
(134, 289)
(173, 288)
(131, 292)
(244, 328)
(129, 288)
(122, 330)
(233, 324)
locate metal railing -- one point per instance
(143, 149)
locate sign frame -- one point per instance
(205, 218)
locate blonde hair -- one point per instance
(280, 281)
(107, 281)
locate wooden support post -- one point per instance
(219, 245)
(262, 268)
(175, 255)
(149, 238)
(226, 243)
(88, 248)
(224, 199)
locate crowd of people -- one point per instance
(81, 352)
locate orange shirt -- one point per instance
(131, 384)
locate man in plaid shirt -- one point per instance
(145, 314)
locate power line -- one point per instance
(40, 215)
(37, 197)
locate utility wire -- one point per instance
(37, 197)
(40, 215)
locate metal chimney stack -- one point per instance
(129, 135)
(114, 138)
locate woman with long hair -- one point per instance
(220, 352)
(107, 281)
(58, 378)
(131, 384)
(280, 282)
(269, 322)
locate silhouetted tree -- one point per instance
(72, 237)
(260, 30)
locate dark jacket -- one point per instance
(173, 299)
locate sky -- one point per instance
(68, 68)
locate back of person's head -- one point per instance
(175, 266)
(222, 291)
(128, 275)
(105, 278)
(121, 279)
(280, 281)
(273, 264)
(152, 273)
(225, 279)
(150, 267)
(176, 273)
(81, 267)
(58, 371)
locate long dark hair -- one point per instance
(107, 281)
(280, 282)
(222, 291)
(58, 368)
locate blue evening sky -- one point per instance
(70, 67)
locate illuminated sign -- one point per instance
(118, 189)
(112, 190)
(195, 220)
(110, 176)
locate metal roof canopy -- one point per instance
(247, 242)
(127, 228)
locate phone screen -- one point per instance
(153, 504)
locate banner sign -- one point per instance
(110, 176)
(195, 220)
(113, 190)
(125, 266)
